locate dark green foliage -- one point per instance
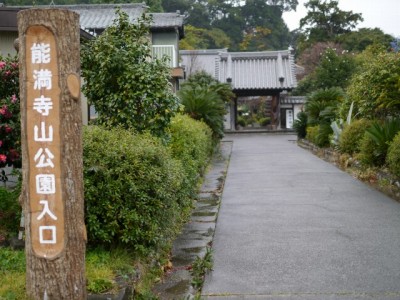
(241, 121)
(300, 125)
(334, 70)
(204, 99)
(204, 79)
(325, 21)
(138, 191)
(10, 210)
(368, 150)
(393, 156)
(264, 121)
(358, 41)
(134, 190)
(350, 139)
(375, 88)
(204, 104)
(376, 142)
(312, 132)
(191, 143)
(323, 135)
(318, 102)
(321, 109)
(127, 87)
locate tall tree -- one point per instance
(325, 21)
(200, 38)
(359, 40)
(138, 95)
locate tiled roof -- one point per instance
(267, 70)
(97, 17)
(167, 20)
(101, 16)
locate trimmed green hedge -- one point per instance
(138, 191)
(312, 133)
(350, 139)
(132, 189)
(368, 152)
(393, 156)
(191, 143)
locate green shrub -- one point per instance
(368, 152)
(132, 190)
(10, 210)
(264, 121)
(125, 84)
(324, 134)
(300, 125)
(319, 135)
(350, 139)
(393, 156)
(191, 143)
(379, 136)
(312, 133)
(204, 104)
(241, 121)
(321, 105)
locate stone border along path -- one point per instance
(198, 233)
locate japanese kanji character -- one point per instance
(53, 234)
(43, 105)
(40, 53)
(45, 158)
(43, 137)
(42, 79)
(46, 210)
(45, 184)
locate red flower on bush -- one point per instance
(3, 158)
(10, 128)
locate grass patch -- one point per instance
(12, 274)
(106, 270)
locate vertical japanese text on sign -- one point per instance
(43, 112)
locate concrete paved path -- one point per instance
(292, 226)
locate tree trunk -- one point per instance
(51, 138)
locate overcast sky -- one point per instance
(384, 14)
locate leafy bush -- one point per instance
(126, 85)
(202, 78)
(300, 125)
(10, 126)
(312, 133)
(334, 70)
(204, 99)
(318, 103)
(132, 190)
(368, 152)
(264, 121)
(10, 210)
(352, 134)
(393, 156)
(204, 104)
(375, 89)
(241, 121)
(191, 143)
(382, 135)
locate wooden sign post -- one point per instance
(51, 136)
